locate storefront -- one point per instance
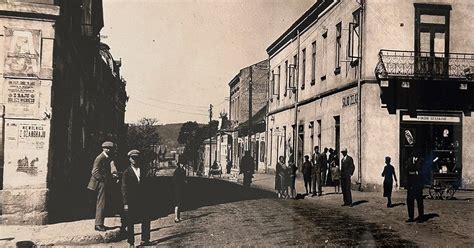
(436, 138)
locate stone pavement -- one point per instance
(451, 222)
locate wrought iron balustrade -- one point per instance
(410, 64)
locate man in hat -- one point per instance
(104, 173)
(134, 200)
(347, 170)
(413, 168)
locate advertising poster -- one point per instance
(26, 152)
(22, 98)
(22, 58)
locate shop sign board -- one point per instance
(26, 152)
(22, 98)
(278, 132)
(22, 55)
(432, 118)
(350, 100)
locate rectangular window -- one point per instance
(338, 48)
(273, 83)
(286, 78)
(278, 82)
(313, 63)
(303, 68)
(319, 133)
(296, 70)
(325, 56)
(354, 36)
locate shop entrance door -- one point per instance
(436, 139)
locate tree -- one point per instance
(143, 135)
(188, 132)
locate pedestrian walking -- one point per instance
(134, 200)
(413, 168)
(306, 169)
(389, 175)
(347, 170)
(104, 173)
(228, 165)
(179, 179)
(316, 176)
(280, 176)
(292, 176)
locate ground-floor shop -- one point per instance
(443, 138)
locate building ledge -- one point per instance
(29, 9)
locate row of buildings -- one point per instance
(62, 95)
(381, 78)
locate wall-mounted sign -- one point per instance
(350, 100)
(22, 52)
(278, 132)
(21, 97)
(26, 152)
(432, 118)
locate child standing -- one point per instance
(388, 174)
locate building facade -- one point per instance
(239, 111)
(65, 99)
(367, 76)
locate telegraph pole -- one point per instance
(250, 112)
(210, 139)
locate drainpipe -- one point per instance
(359, 102)
(297, 72)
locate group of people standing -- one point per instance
(322, 169)
(133, 182)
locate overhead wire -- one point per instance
(165, 108)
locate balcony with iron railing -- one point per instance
(424, 65)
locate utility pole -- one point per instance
(210, 139)
(250, 113)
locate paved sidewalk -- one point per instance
(76, 232)
(450, 221)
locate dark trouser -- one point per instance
(307, 182)
(100, 204)
(346, 189)
(317, 186)
(415, 193)
(130, 227)
(323, 177)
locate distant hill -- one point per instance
(169, 134)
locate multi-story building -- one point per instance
(63, 96)
(419, 99)
(239, 111)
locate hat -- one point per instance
(108, 144)
(344, 150)
(133, 153)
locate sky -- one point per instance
(178, 56)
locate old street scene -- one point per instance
(274, 123)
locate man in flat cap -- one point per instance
(347, 170)
(134, 201)
(103, 174)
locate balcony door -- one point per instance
(431, 40)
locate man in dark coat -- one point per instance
(413, 168)
(347, 170)
(316, 177)
(103, 173)
(134, 202)
(247, 167)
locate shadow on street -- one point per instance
(198, 192)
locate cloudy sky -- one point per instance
(179, 55)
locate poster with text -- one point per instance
(22, 58)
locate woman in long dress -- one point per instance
(280, 178)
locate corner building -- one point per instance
(382, 78)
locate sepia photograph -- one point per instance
(236, 123)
